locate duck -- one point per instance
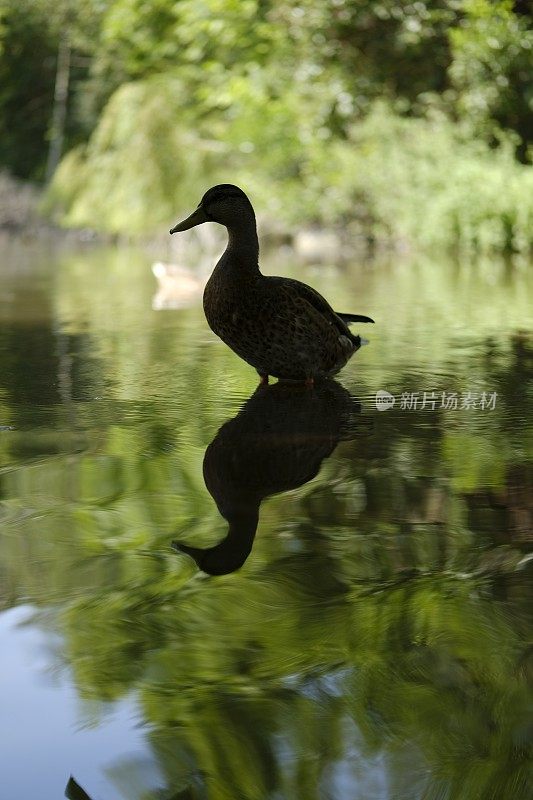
(178, 286)
(280, 326)
(276, 442)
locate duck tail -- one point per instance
(349, 318)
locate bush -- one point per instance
(132, 175)
(422, 181)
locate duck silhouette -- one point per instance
(277, 442)
(280, 326)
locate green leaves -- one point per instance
(141, 166)
(491, 69)
(168, 97)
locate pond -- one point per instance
(360, 627)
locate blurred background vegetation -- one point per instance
(402, 122)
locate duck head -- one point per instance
(224, 204)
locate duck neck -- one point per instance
(243, 244)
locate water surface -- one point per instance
(366, 632)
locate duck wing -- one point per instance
(304, 292)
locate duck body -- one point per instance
(280, 326)
(273, 324)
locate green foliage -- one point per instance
(422, 181)
(139, 167)
(412, 54)
(30, 32)
(282, 97)
(491, 69)
(27, 69)
(144, 165)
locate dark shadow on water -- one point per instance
(277, 442)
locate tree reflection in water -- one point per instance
(377, 641)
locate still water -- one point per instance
(360, 628)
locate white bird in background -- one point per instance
(178, 286)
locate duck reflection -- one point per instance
(276, 442)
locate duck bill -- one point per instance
(196, 218)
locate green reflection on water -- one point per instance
(376, 641)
